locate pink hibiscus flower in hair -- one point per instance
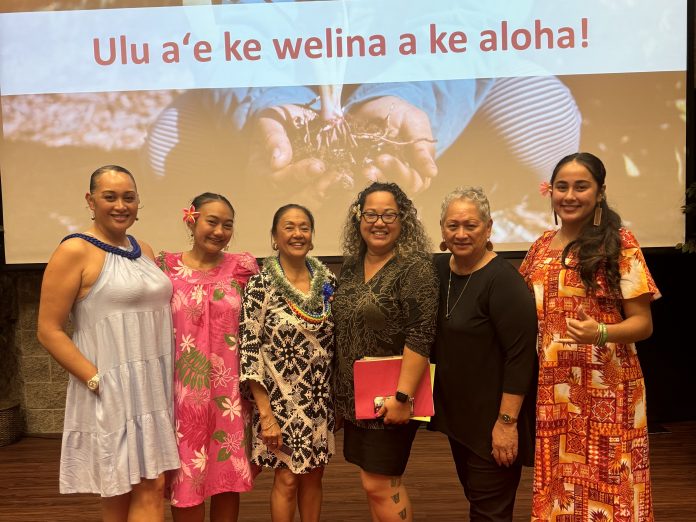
(190, 214)
(545, 188)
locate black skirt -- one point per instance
(379, 451)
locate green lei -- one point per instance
(315, 298)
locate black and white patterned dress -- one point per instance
(292, 358)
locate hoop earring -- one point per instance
(443, 246)
(274, 245)
(489, 245)
(311, 246)
(555, 217)
(92, 215)
(597, 215)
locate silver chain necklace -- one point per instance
(449, 310)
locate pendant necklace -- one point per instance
(449, 310)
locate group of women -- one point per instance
(192, 371)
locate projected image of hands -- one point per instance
(314, 153)
(403, 150)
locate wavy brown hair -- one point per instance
(412, 238)
(597, 247)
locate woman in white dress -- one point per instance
(118, 434)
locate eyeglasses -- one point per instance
(387, 218)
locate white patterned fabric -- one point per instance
(292, 359)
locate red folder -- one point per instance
(378, 377)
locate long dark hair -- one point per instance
(597, 246)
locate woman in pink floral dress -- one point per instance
(212, 419)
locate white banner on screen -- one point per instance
(334, 42)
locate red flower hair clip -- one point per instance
(545, 188)
(190, 214)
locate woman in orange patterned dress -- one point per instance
(593, 292)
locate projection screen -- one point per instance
(306, 102)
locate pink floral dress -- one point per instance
(212, 419)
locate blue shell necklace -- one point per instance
(119, 251)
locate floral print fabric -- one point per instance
(591, 461)
(211, 416)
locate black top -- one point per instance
(396, 308)
(486, 347)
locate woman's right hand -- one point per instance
(395, 412)
(270, 433)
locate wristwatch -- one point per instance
(404, 397)
(506, 419)
(401, 396)
(93, 383)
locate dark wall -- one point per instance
(668, 357)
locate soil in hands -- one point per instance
(346, 145)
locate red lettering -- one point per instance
(521, 39)
(287, 48)
(97, 54)
(252, 46)
(540, 31)
(457, 42)
(200, 49)
(231, 48)
(313, 47)
(436, 40)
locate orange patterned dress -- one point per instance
(591, 461)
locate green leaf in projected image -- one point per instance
(194, 369)
(218, 294)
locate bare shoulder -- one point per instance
(147, 249)
(65, 272)
(71, 253)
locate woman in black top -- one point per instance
(486, 359)
(385, 305)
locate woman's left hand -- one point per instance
(271, 435)
(504, 443)
(582, 330)
(395, 412)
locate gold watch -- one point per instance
(93, 383)
(506, 419)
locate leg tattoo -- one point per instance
(395, 498)
(402, 514)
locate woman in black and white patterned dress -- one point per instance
(286, 352)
